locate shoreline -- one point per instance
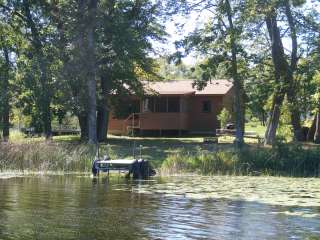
(17, 174)
(168, 158)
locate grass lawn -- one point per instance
(156, 149)
(256, 127)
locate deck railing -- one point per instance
(132, 122)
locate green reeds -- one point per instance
(44, 157)
(282, 160)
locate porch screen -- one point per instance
(173, 104)
(161, 104)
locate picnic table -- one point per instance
(232, 132)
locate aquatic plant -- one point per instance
(283, 159)
(42, 157)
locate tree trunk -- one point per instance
(91, 73)
(295, 121)
(284, 76)
(273, 124)
(5, 97)
(46, 116)
(317, 132)
(291, 92)
(83, 123)
(238, 85)
(103, 111)
(263, 118)
(77, 83)
(312, 129)
(280, 67)
(102, 122)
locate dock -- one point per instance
(138, 168)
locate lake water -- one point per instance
(184, 207)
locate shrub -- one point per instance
(224, 117)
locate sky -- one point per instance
(191, 22)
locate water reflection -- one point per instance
(77, 207)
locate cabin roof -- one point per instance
(184, 87)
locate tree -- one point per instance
(91, 71)
(38, 44)
(170, 71)
(70, 19)
(32, 20)
(10, 43)
(121, 42)
(281, 68)
(219, 42)
(309, 72)
(259, 86)
(4, 86)
(316, 99)
(238, 84)
(284, 66)
(128, 28)
(292, 67)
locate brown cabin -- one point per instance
(176, 107)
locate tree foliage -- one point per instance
(72, 48)
(84, 57)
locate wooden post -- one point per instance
(132, 126)
(180, 112)
(167, 108)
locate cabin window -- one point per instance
(206, 106)
(161, 104)
(173, 104)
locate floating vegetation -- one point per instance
(282, 191)
(188, 207)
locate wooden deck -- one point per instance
(156, 121)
